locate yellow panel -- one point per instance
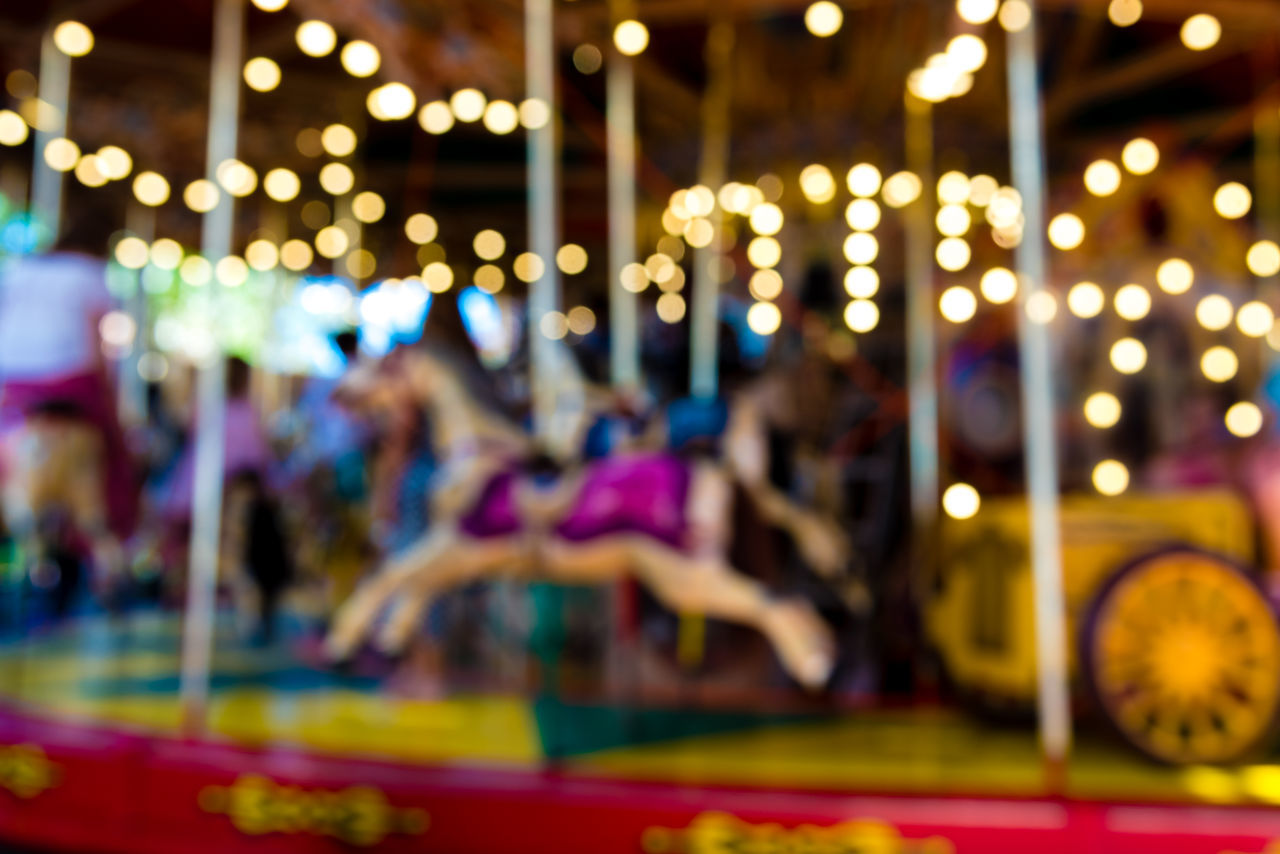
(980, 615)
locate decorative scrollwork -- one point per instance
(357, 815)
(720, 833)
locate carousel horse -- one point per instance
(650, 514)
(51, 492)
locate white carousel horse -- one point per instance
(652, 515)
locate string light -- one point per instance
(953, 188)
(1015, 15)
(572, 260)
(261, 74)
(13, 130)
(282, 185)
(1263, 258)
(337, 178)
(360, 59)
(671, 308)
(73, 38)
(631, 37)
(1110, 477)
(61, 154)
(1124, 13)
(1214, 312)
(765, 284)
(201, 195)
(977, 12)
(1140, 156)
(1175, 276)
(501, 117)
(1255, 319)
(368, 206)
(859, 282)
(764, 318)
(468, 104)
(1085, 300)
(89, 171)
(1128, 355)
(296, 255)
(151, 189)
(1201, 32)
(1133, 302)
(961, 501)
(901, 189)
(1244, 419)
(489, 244)
(534, 113)
(131, 252)
(816, 183)
(861, 315)
(166, 253)
(436, 117)
(271, 5)
(766, 219)
(1102, 178)
(953, 220)
(861, 248)
(236, 177)
(1102, 410)
(115, 162)
(1219, 364)
(392, 102)
(999, 285)
(864, 180)
(982, 188)
(1066, 231)
(958, 304)
(316, 38)
(1232, 200)
(338, 140)
(953, 254)
(823, 18)
(863, 214)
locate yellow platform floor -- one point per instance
(126, 675)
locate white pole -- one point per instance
(544, 224)
(55, 91)
(922, 382)
(624, 354)
(202, 580)
(1027, 144)
(704, 319)
(131, 393)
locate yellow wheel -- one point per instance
(1182, 652)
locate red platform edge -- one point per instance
(87, 789)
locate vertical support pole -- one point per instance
(704, 319)
(1027, 148)
(55, 91)
(1266, 166)
(922, 381)
(216, 236)
(544, 214)
(131, 392)
(620, 118)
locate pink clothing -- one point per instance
(245, 449)
(87, 397)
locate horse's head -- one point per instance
(373, 385)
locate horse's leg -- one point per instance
(467, 560)
(357, 614)
(704, 585)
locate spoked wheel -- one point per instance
(1182, 652)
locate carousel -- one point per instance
(638, 426)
